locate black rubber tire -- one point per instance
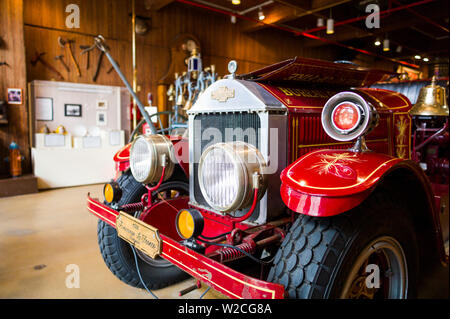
(117, 253)
(317, 254)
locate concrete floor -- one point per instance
(41, 234)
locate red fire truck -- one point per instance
(294, 181)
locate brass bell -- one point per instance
(432, 101)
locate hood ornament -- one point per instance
(232, 68)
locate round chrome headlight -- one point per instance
(347, 116)
(227, 174)
(147, 154)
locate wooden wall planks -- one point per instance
(221, 41)
(13, 76)
(44, 21)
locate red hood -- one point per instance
(303, 70)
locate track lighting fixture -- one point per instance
(386, 45)
(320, 22)
(330, 25)
(261, 15)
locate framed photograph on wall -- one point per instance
(44, 109)
(101, 118)
(72, 110)
(14, 96)
(102, 105)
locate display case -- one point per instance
(75, 129)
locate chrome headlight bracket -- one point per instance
(244, 163)
(148, 155)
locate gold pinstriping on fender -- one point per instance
(331, 188)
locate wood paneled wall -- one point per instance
(221, 41)
(13, 75)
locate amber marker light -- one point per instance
(112, 192)
(189, 223)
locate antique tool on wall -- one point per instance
(99, 65)
(60, 58)
(65, 43)
(86, 49)
(101, 45)
(38, 58)
(111, 68)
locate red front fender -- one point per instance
(330, 182)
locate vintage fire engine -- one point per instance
(295, 181)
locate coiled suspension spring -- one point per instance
(229, 253)
(133, 207)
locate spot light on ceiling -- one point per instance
(236, 2)
(320, 22)
(386, 45)
(330, 26)
(261, 15)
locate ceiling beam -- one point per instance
(288, 11)
(348, 32)
(392, 23)
(156, 5)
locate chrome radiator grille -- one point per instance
(239, 126)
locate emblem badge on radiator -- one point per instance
(222, 94)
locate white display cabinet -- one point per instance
(96, 123)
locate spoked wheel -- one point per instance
(385, 258)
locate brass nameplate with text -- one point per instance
(141, 235)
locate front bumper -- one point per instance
(220, 277)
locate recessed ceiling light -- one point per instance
(377, 42)
(236, 2)
(417, 57)
(426, 59)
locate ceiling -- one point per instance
(413, 27)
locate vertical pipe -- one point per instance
(133, 49)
